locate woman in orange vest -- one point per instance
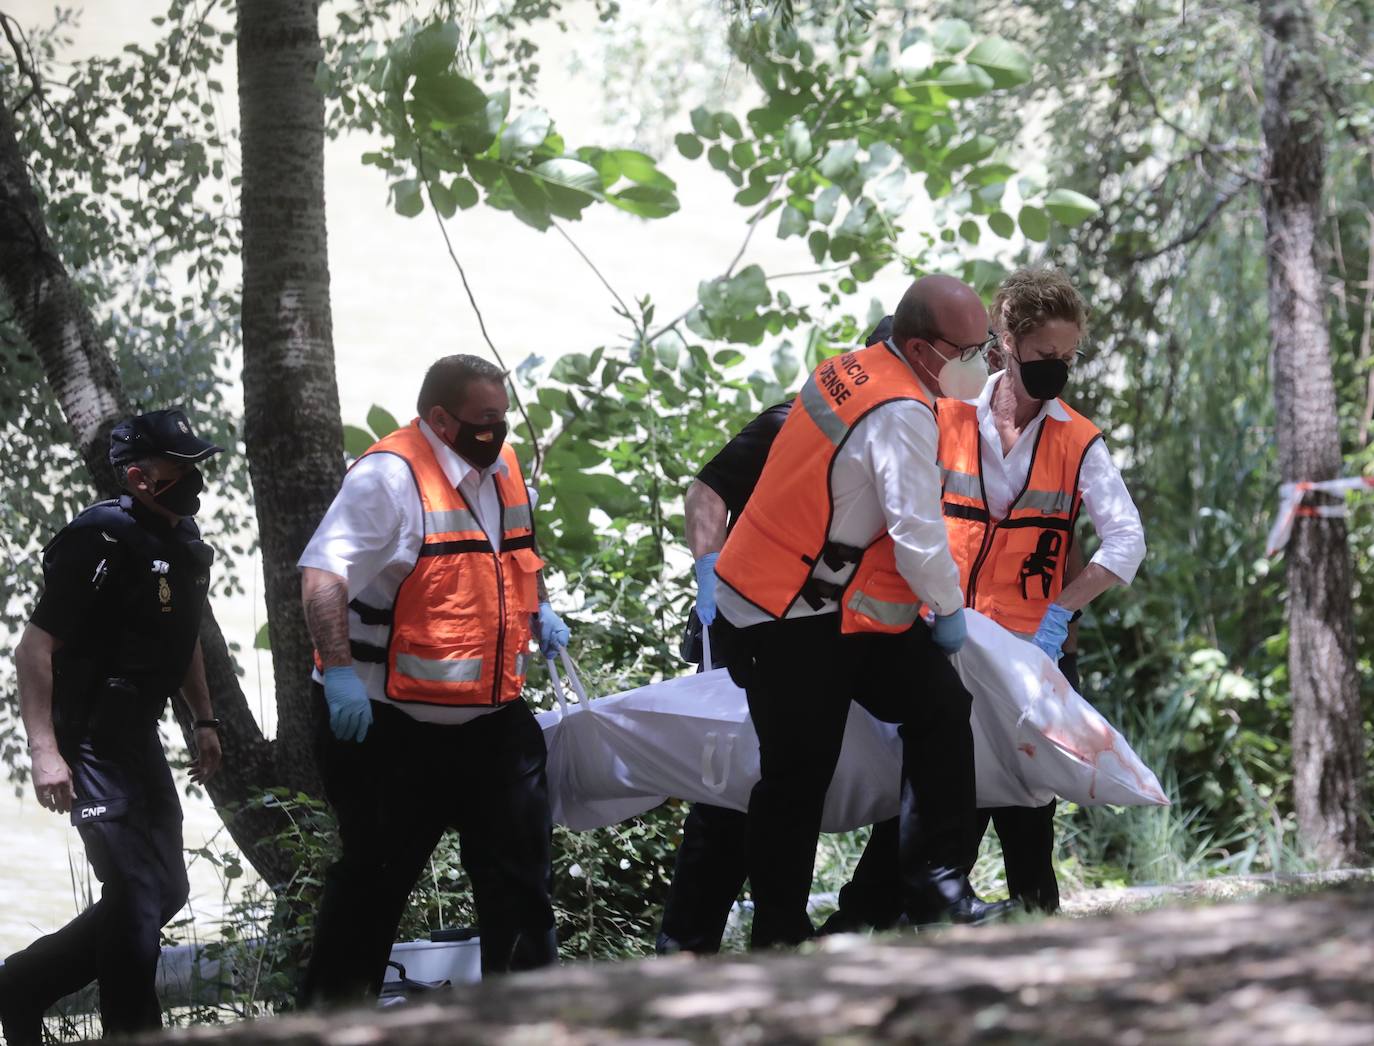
(1018, 464)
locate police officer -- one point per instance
(114, 633)
(821, 583)
(422, 589)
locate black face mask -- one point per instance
(1044, 379)
(181, 497)
(479, 444)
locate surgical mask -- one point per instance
(479, 444)
(1044, 379)
(180, 496)
(962, 379)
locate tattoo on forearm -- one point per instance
(326, 615)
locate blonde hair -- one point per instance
(1029, 298)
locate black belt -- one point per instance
(371, 615)
(373, 655)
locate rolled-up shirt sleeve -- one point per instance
(1114, 515)
(366, 523)
(901, 455)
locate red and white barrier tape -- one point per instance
(1291, 505)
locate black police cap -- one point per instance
(159, 433)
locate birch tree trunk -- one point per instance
(1328, 741)
(291, 403)
(82, 374)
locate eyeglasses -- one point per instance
(968, 352)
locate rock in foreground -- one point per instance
(1297, 969)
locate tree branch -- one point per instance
(1192, 234)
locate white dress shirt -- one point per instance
(1105, 496)
(371, 537)
(884, 478)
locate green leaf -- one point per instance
(785, 365)
(689, 145)
(356, 441)
(1004, 61)
(449, 97)
(797, 142)
(969, 231)
(1034, 223)
(260, 641)
(525, 134)
(531, 202)
(826, 204)
(979, 147)
(743, 154)
(645, 201)
(792, 223)
(573, 174)
(1071, 208)
(951, 35)
(838, 161)
(464, 193)
(964, 81)
(381, 421)
(704, 123)
(640, 168)
(819, 242)
(442, 199)
(1000, 222)
(406, 198)
(729, 125)
(433, 48)
(718, 158)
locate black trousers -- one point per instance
(800, 676)
(129, 818)
(871, 897)
(708, 874)
(395, 795)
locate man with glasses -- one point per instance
(855, 463)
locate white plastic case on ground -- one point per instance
(691, 738)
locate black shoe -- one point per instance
(974, 911)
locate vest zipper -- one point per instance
(989, 533)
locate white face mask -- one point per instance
(960, 379)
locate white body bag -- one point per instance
(690, 738)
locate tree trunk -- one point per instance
(1328, 742)
(291, 402)
(85, 380)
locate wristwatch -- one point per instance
(207, 724)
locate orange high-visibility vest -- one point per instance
(1011, 570)
(771, 553)
(460, 626)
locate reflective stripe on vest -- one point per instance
(772, 550)
(460, 625)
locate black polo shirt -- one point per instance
(735, 471)
(124, 591)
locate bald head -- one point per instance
(940, 307)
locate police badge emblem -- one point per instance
(164, 593)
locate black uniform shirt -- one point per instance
(124, 591)
(735, 471)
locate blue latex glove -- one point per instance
(706, 588)
(350, 712)
(1053, 631)
(553, 634)
(949, 631)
